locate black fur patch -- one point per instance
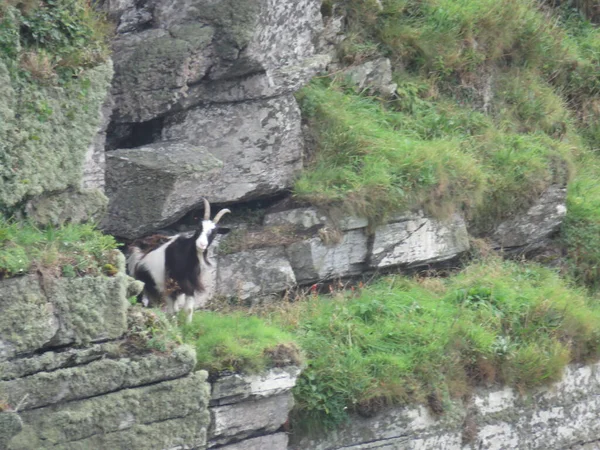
(182, 266)
(142, 274)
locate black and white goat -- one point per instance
(171, 267)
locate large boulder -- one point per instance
(414, 240)
(150, 187)
(225, 152)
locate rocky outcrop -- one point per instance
(304, 245)
(560, 416)
(195, 78)
(528, 231)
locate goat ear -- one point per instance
(223, 230)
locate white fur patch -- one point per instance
(207, 228)
(155, 263)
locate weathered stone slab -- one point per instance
(416, 239)
(27, 319)
(89, 308)
(47, 361)
(74, 206)
(375, 75)
(78, 420)
(150, 187)
(36, 312)
(98, 377)
(95, 161)
(559, 416)
(235, 388)
(240, 420)
(260, 144)
(313, 260)
(180, 433)
(277, 441)
(540, 221)
(254, 273)
(10, 425)
(308, 217)
(303, 218)
(153, 68)
(178, 54)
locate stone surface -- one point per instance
(75, 206)
(415, 239)
(173, 55)
(539, 222)
(259, 143)
(559, 416)
(313, 260)
(153, 68)
(27, 318)
(254, 273)
(150, 187)
(95, 162)
(303, 218)
(374, 75)
(235, 388)
(276, 441)
(10, 425)
(98, 377)
(82, 419)
(240, 420)
(309, 217)
(53, 360)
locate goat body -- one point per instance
(171, 267)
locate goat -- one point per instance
(171, 267)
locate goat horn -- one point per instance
(206, 209)
(219, 215)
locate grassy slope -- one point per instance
(428, 340)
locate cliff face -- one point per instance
(201, 104)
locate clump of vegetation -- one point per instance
(54, 76)
(68, 250)
(235, 341)
(410, 340)
(238, 342)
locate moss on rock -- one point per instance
(75, 206)
(98, 377)
(74, 421)
(10, 425)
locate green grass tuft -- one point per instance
(237, 342)
(69, 250)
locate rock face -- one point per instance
(60, 390)
(197, 76)
(170, 55)
(560, 416)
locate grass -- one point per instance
(423, 150)
(238, 342)
(69, 250)
(231, 342)
(405, 340)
